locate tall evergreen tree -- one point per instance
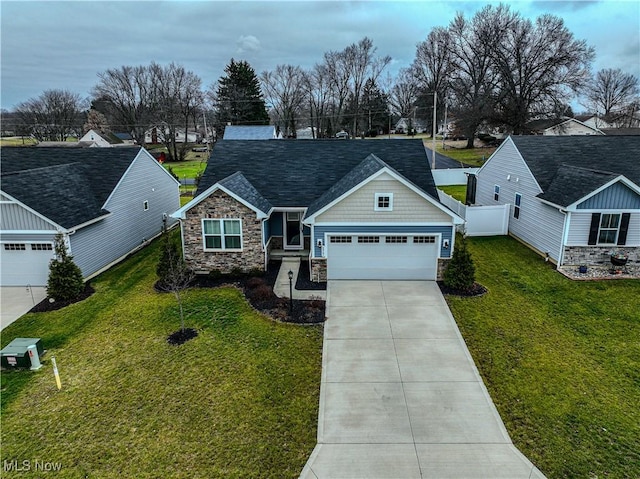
(65, 278)
(238, 97)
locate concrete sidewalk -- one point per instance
(18, 300)
(281, 287)
(400, 395)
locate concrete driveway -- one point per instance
(400, 395)
(18, 300)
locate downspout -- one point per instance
(565, 235)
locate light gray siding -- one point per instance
(580, 223)
(14, 217)
(539, 225)
(617, 197)
(129, 225)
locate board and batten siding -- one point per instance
(618, 196)
(128, 226)
(445, 232)
(14, 217)
(580, 224)
(540, 225)
(408, 206)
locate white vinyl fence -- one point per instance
(480, 220)
(452, 176)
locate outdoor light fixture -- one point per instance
(290, 274)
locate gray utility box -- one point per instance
(15, 354)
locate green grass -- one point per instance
(240, 400)
(17, 141)
(473, 156)
(186, 169)
(561, 360)
(459, 192)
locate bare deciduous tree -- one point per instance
(612, 91)
(95, 121)
(284, 89)
(130, 93)
(539, 64)
(53, 116)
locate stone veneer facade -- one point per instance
(222, 206)
(597, 255)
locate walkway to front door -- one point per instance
(400, 395)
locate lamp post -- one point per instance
(290, 274)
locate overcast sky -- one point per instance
(63, 45)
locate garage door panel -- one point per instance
(24, 267)
(382, 260)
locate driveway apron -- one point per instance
(400, 395)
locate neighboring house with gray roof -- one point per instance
(250, 132)
(561, 127)
(574, 199)
(365, 209)
(106, 202)
(102, 140)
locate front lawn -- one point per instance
(561, 360)
(239, 400)
(473, 156)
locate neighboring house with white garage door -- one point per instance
(354, 209)
(106, 202)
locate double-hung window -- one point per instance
(516, 206)
(222, 234)
(496, 192)
(609, 227)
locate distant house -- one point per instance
(158, 134)
(621, 131)
(126, 138)
(249, 132)
(574, 199)
(402, 125)
(594, 121)
(352, 209)
(560, 127)
(107, 202)
(102, 140)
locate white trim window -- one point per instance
(145, 205)
(609, 228)
(383, 202)
(222, 234)
(496, 192)
(516, 206)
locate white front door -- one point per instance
(293, 230)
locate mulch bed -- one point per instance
(304, 283)
(259, 292)
(48, 305)
(476, 290)
(181, 336)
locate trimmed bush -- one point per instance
(460, 273)
(65, 281)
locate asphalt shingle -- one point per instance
(292, 173)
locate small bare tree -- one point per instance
(175, 276)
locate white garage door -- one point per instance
(25, 263)
(382, 257)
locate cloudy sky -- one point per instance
(63, 45)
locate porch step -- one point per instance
(281, 253)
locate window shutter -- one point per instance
(593, 230)
(624, 227)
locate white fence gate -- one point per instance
(479, 220)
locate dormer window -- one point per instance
(383, 202)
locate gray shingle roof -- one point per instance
(67, 185)
(568, 168)
(238, 184)
(244, 132)
(292, 173)
(370, 165)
